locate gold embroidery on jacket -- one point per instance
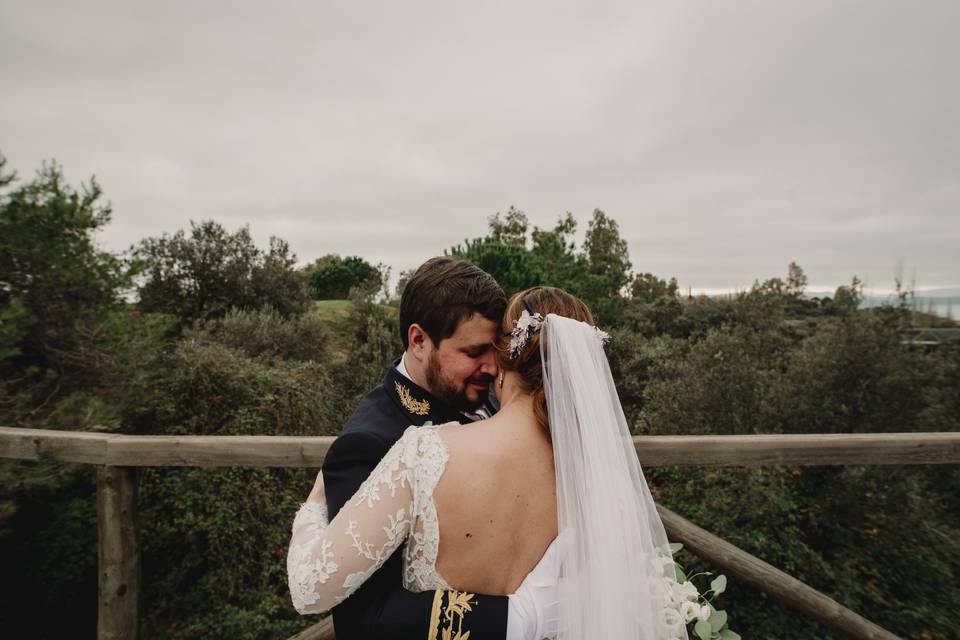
(416, 407)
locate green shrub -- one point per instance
(215, 540)
(48, 549)
(266, 334)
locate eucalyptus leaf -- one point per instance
(681, 576)
(719, 584)
(702, 629)
(717, 620)
(726, 634)
(675, 546)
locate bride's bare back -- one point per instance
(496, 503)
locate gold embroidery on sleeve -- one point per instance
(457, 606)
(435, 615)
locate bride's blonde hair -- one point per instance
(542, 300)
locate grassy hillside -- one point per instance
(335, 314)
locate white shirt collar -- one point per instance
(402, 368)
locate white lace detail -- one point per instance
(309, 564)
(420, 555)
(394, 504)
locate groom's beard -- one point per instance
(454, 392)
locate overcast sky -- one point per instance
(726, 138)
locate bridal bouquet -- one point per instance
(687, 606)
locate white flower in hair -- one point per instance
(523, 328)
(603, 335)
(528, 323)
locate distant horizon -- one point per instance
(945, 301)
(820, 288)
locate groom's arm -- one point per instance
(382, 608)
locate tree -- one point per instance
(332, 277)
(598, 273)
(554, 251)
(647, 287)
(511, 265)
(511, 229)
(53, 278)
(770, 288)
(606, 252)
(276, 272)
(5, 179)
(402, 281)
(847, 298)
(556, 243)
(211, 271)
(608, 268)
(796, 280)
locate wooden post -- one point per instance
(119, 577)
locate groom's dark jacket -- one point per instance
(382, 608)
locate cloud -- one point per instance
(726, 139)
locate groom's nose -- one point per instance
(488, 365)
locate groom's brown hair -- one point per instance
(445, 290)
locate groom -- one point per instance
(450, 313)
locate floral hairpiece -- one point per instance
(529, 323)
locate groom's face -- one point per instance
(461, 368)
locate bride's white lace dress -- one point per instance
(328, 562)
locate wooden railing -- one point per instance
(118, 457)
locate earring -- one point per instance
(500, 381)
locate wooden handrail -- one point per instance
(118, 456)
(323, 630)
(306, 451)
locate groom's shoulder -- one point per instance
(364, 439)
(376, 415)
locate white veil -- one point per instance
(616, 572)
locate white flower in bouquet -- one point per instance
(685, 605)
(671, 597)
(686, 591)
(689, 611)
(675, 625)
(673, 619)
(705, 612)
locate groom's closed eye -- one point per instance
(477, 351)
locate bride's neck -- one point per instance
(517, 416)
(512, 397)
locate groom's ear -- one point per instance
(419, 342)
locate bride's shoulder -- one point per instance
(437, 434)
(427, 431)
(422, 440)
(422, 451)
(471, 440)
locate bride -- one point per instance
(479, 505)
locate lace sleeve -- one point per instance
(327, 563)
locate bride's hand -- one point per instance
(317, 494)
